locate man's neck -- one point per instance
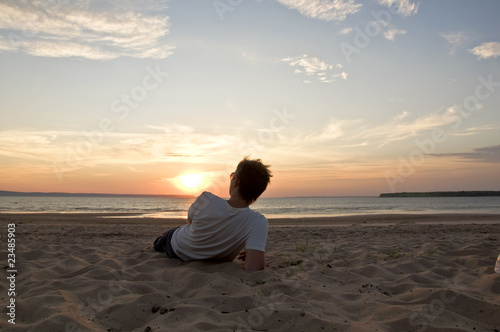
(237, 202)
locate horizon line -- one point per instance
(40, 193)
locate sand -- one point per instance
(80, 272)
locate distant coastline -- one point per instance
(60, 194)
(443, 194)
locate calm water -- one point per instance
(270, 207)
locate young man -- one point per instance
(219, 229)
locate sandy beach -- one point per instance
(84, 272)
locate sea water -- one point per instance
(288, 207)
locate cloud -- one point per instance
(486, 50)
(347, 133)
(59, 152)
(92, 30)
(454, 40)
(6, 44)
(334, 130)
(352, 142)
(392, 33)
(338, 142)
(327, 10)
(489, 154)
(346, 31)
(400, 127)
(312, 66)
(404, 7)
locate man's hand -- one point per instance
(253, 260)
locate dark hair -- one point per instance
(254, 177)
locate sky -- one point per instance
(340, 97)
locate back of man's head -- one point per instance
(254, 177)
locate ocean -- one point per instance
(289, 207)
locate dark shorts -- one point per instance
(162, 244)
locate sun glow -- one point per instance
(190, 182)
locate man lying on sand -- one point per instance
(219, 229)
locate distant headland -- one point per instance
(443, 194)
(59, 194)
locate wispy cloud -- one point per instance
(401, 127)
(314, 67)
(327, 10)
(6, 44)
(404, 7)
(348, 133)
(159, 144)
(486, 50)
(391, 34)
(454, 40)
(88, 29)
(346, 141)
(489, 154)
(345, 31)
(184, 143)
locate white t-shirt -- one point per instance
(218, 230)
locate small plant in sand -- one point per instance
(292, 261)
(432, 252)
(395, 254)
(320, 260)
(391, 255)
(302, 247)
(289, 261)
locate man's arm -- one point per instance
(254, 260)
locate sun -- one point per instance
(190, 182)
(195, 182)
